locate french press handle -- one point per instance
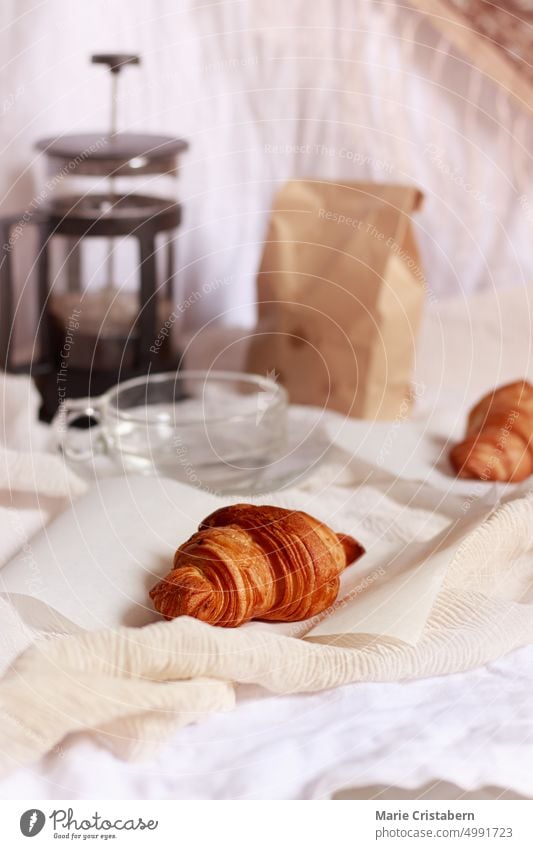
(115, 61)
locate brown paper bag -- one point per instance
(340, 293)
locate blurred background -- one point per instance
(362, 90)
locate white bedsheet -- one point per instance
(473, 729)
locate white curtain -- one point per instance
(266, 91)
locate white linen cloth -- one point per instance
(381, 761)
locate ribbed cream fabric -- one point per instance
(135, 687)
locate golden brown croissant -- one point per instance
(499, 439)
(247, 562)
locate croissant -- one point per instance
(247, 562)
(499, 438)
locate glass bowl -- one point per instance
(212, 429)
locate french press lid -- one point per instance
(113, 153)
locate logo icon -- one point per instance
(32, 822)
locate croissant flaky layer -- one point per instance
(247, 562)
(498, 445)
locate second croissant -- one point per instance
(248, 562)
(498, 445)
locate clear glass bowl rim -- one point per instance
(278, 397)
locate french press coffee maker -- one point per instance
(91, 339)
